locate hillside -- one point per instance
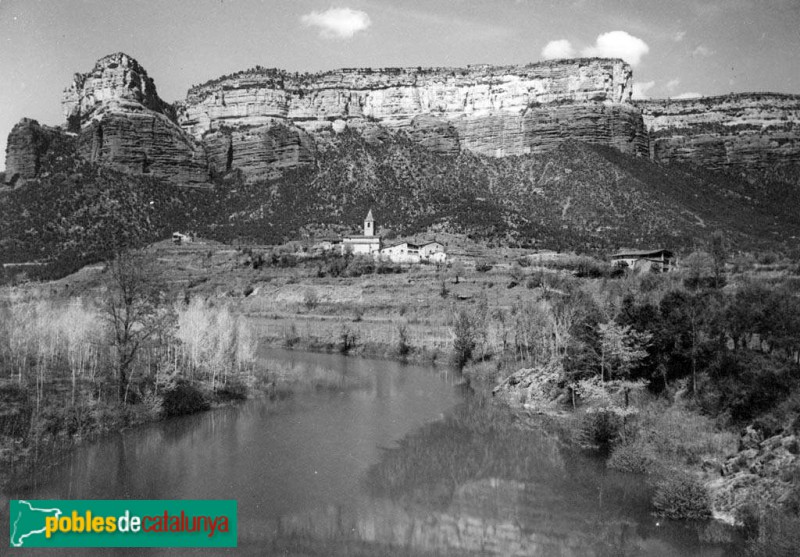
(578, 197)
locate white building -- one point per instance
(433, 252)
(368, 244)
(403, 252)
(406, 252)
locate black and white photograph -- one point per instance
(400, 278)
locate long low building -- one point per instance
(406, 252)
(656, 260)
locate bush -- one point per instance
(360, 266)
(15, 411)
(600, 429)
(388, 268)
(232, 390)
(403, 347)
(310, 298)
(682, 496)
(589, 268)
(183, 399)
(778, 535)
(535, 281)
(637, 457)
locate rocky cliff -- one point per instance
(490, 110)
(261, 122)
(27, 144)
(119, 120)
(122, 122)
(750, 131)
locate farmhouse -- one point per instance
(181, 238)
(433, 252)
(656, 260)
(404, 252)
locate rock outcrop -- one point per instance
(491, 110)
(122, 122)
(761, 473)
(27, 144)
(261, 151)
(143, 142)
(261, 122)
(119, 121)
(117, 83)
(752, 131)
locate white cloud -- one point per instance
(618, 44)
(640, 89)
(678, 37)
(672, 83)
(561, 48)
(688, 95)
(702, 50)
(337, 23)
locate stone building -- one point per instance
(368, 244)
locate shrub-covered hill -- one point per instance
(579, 197)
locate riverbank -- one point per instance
(660, 371)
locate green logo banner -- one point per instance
(123, 523)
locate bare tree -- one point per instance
(134, 310)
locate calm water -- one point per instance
(378, 459)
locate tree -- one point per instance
(622, 348)
(698, 269)
(688, 323)
(464, 338)
(457, 270)
(719, 254)
(134, 311)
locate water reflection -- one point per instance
(475, 483)
(383, 459)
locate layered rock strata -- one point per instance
(117, 83)
(751, 131)
(261, 122)
(122, 122)
(491, 110)
(28, 143)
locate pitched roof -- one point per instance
(642, 252)
(369, 217)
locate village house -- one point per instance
(433, 252)
(181, 238)
(403, 252)
(656, 260)
(371, 244)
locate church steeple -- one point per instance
(369, 224)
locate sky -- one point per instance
(676, 47)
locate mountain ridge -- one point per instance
(264, 121)
(74, 194)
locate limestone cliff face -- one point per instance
(748, 131)
(122, 122)
(261, 122)
(260, 151)
(27, 144)
(491, 110)
(117, 83)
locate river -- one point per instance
(375, 458)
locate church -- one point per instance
(368, 244)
